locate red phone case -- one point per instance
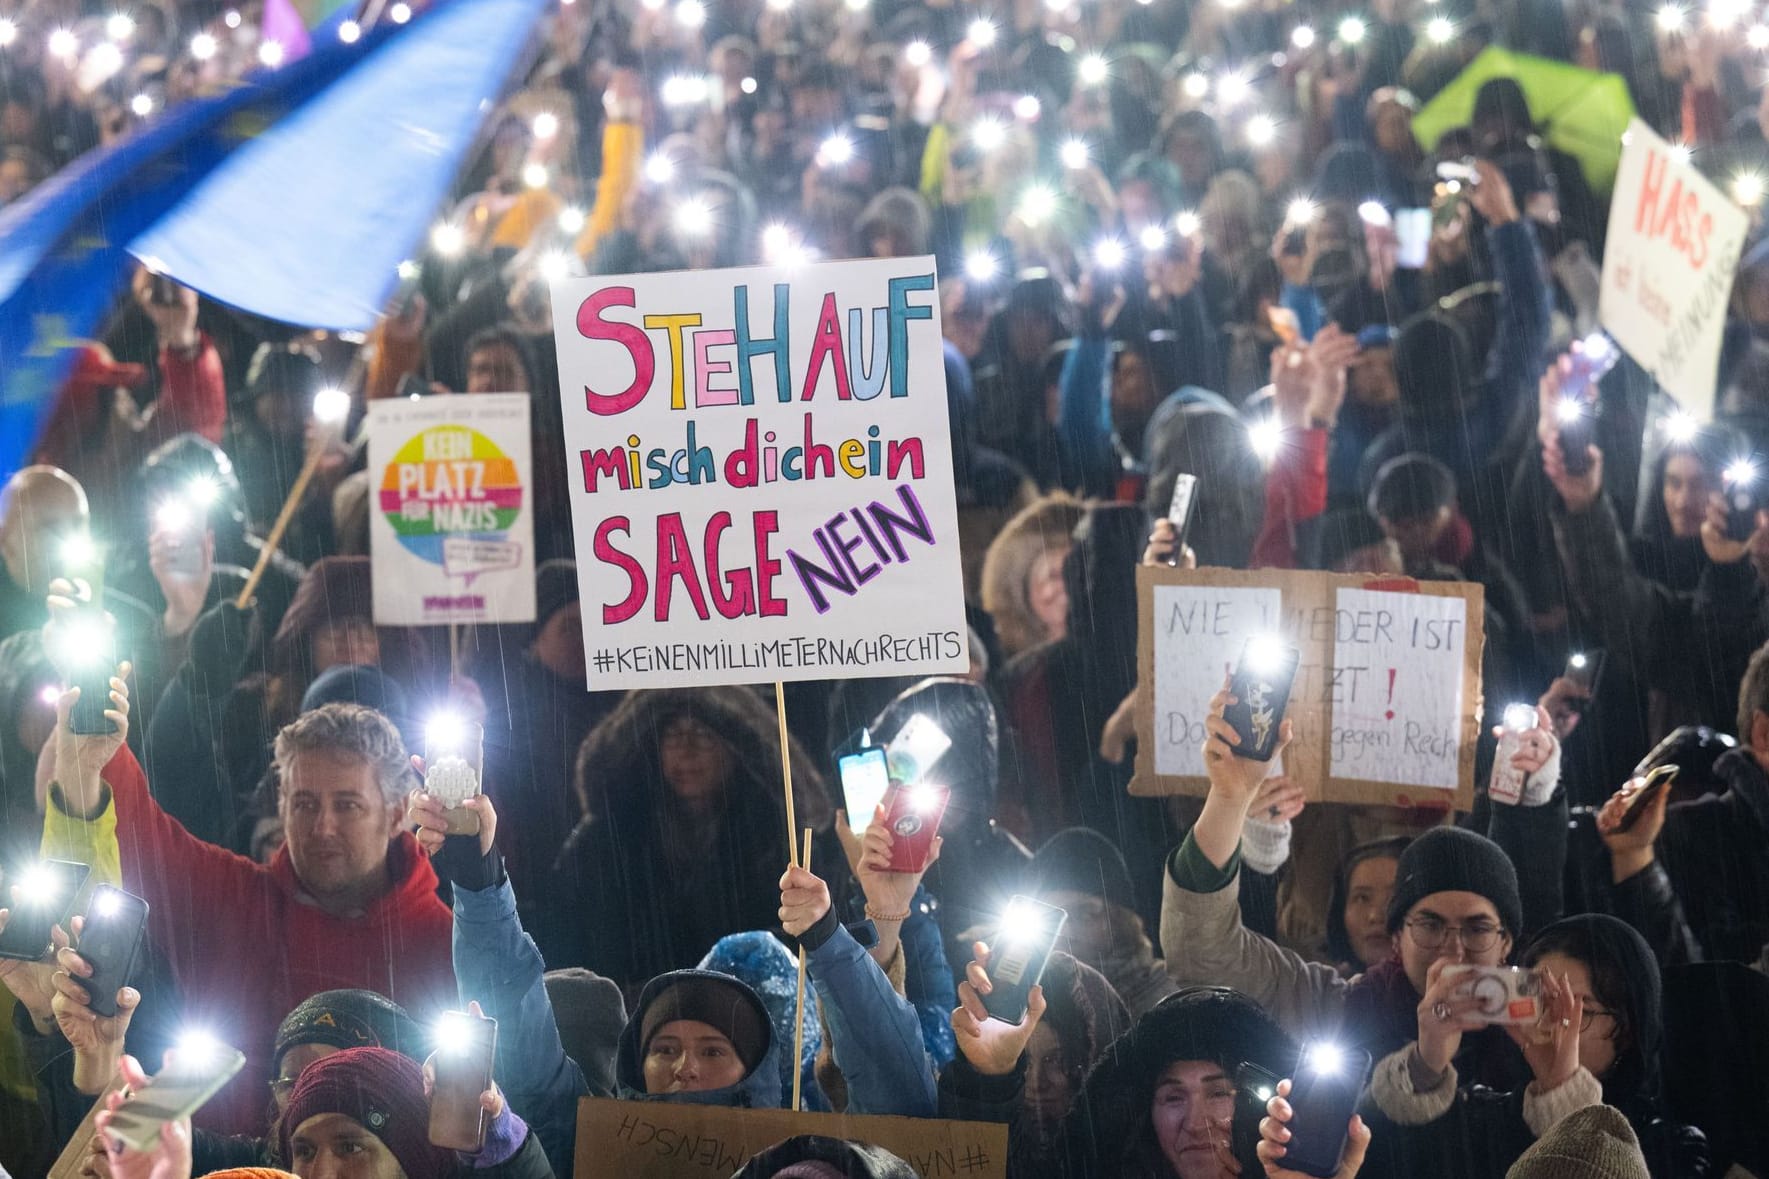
(913, 826)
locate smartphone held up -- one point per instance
(198, 1069)
(1028, 932)
(454, 761)
(1323, 1095)
(1261, 686)
(39, 898)
(110, 940)
(465, 1047)
(913, 815)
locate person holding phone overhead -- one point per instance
(1028, 1074)
(1455, 900)
(370, 1108)
(1699, 865)
(350, 901)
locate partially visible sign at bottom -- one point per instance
(653, 1140)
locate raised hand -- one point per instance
(1274, 1133)
(1236, 778)
(1443, 1018)
(1277, 801)
(30, 983)
(1536, 746)
(887, 891)
(81, 757)
(97, 1040)
(427, 816)
(492, 1100)
(804, 899)
(170, 1157)
(1630, 851)
(1557, 704)
(1552, 1046)
(990, 1045)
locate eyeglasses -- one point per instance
(1430, 933)
(1590, 1014)
(282, 1087)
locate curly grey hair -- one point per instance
(349, 730)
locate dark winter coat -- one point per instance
(1484, 1130)
(980, 866)
(1060, 695)
(1108, 1131)
(1714, 850)
(645, 904)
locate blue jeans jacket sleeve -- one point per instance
(873, 1031)
(927, 979)
(1084, 418)
(497, 965)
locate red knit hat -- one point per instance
(381, 1091)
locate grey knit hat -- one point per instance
(1594, 1143)
(590, 1014)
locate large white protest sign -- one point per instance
(451, 518)
(1397, 702)
(1668, 261)
(761, 474)
(1385, 707)
(1199, 632)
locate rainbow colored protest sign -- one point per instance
(761, 474)
(451, 510)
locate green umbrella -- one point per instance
(1581, 112)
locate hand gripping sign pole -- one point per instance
(330, 408)
(794, 860)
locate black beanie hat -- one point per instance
(555, 587)
(722, 1002)
(350, 1019)
(1082, 860)
(1451, 859)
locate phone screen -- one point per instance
(463, 1062)
(40, 898)
(109, 941)
(917, 746)
(865, 776)
(91, 647)
(1323, 1096)
(175, 1092)
(1412, 230)
(1261, 688)
(1179, 511)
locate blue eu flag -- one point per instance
(294, 195)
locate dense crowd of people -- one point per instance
(1177, 237)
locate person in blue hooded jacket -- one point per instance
(497, 965)
(873, 1030)
(706, 1038)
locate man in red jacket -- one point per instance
(350, 901)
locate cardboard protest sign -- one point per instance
(451, 521)
(1386, 703)
(1668, 261)
(651, 1140)
(761, 474)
